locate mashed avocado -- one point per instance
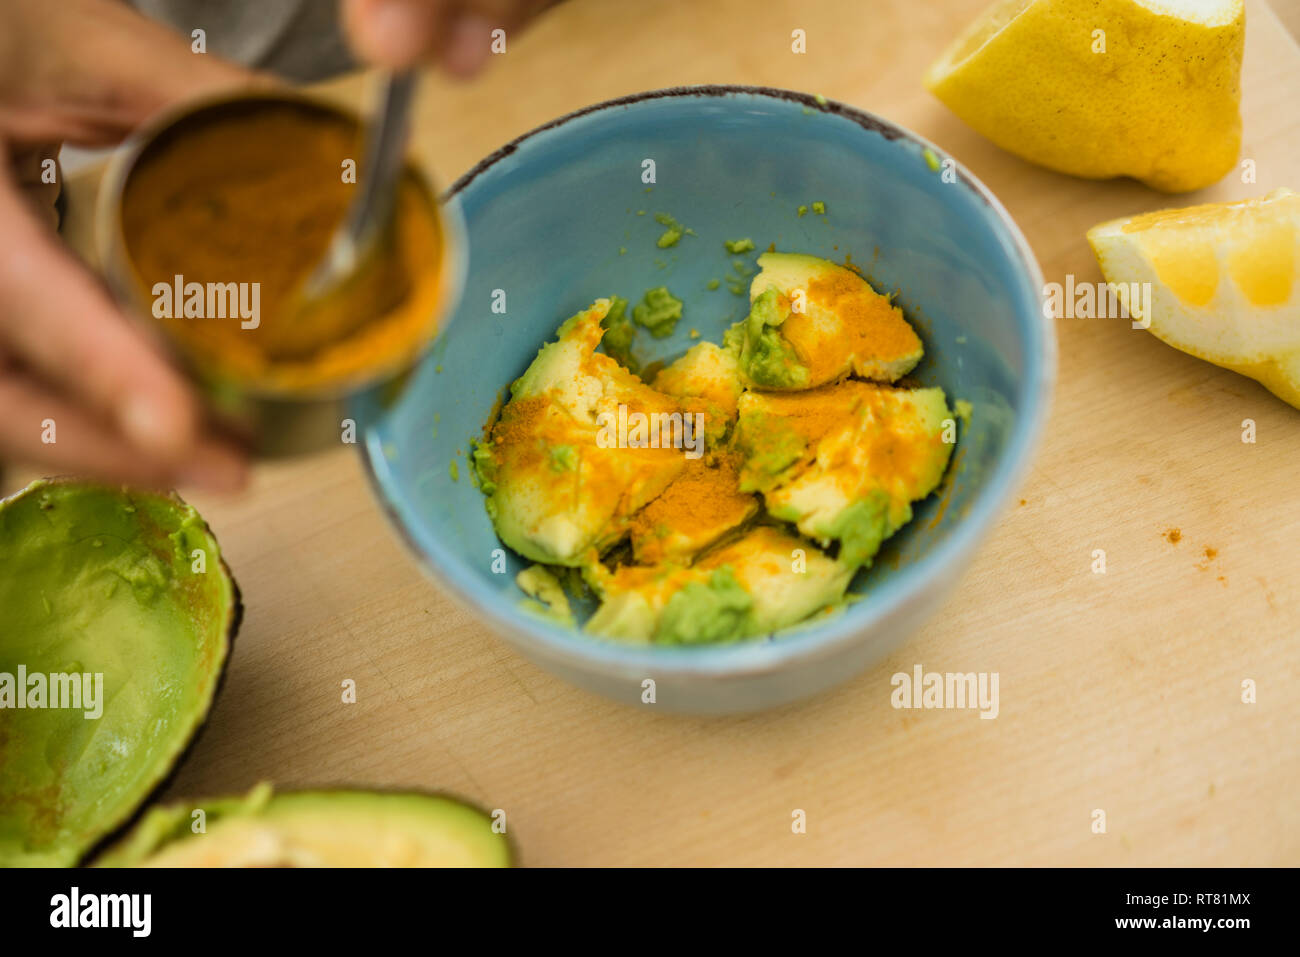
(767, 359)
(786, 456)
(704, 612)
(619, 334)
(658, 312)
(673, 230)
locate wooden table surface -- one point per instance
(1119, 691)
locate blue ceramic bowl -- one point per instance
(555, 220)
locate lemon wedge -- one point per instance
(1224, 282)
(1101, 88)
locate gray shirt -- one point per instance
(297, 39)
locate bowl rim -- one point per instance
(571, 648)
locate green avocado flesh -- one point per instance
(765, 580)
(766, 358)
(342, 828)
(813, 322)
(100, 593)
(718, 609)
(557, 489)
(658, 312)
(809, 457)
(845, 462)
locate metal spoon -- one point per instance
(372, 210)
(360, 277)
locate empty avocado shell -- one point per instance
(124, 594)
(335, 828)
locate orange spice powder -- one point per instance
(250, 193)
(706, 497)
(870, 327)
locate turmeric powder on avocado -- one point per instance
(812, 456)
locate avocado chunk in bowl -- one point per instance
(330, 828)
(556, 491)
(118, 618)
(814, 322)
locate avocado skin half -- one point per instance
(266, 829)
(236, 620)
(108, 832)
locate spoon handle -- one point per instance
(372, 208)
(385, 147)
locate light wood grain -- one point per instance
(1118, 691)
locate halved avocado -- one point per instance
(344, 828)
(101, 581)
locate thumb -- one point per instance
(395, 34)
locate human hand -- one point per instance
(455, 33)
(88, 72)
